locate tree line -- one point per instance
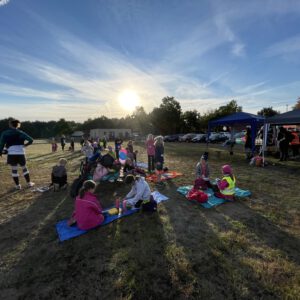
(167, 118)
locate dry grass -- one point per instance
(243, 250)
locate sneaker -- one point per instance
(30, 184)
(18, 187)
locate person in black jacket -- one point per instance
(283, 141)
(13, 139)
(248, 144)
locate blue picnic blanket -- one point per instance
(66, 232)
(212, 199)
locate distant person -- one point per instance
(53, 145)
(13, 139)
(248, 143)
(72, 145)
(118, 145)
(227, 184)
(150, 152)
(283, 141)
(159, 157)
(81, 142)
(59, 175)
(104, 141)
(63, 142)
(88, 150)
(88, 210)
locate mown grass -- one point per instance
(243, 250)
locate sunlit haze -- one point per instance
(80, 59)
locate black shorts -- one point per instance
(15, 160)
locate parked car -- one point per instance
(201, 137)
(173, 137)
(187, 137)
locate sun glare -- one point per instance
(129, 100)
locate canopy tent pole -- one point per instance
(264, 141)
(253, 136)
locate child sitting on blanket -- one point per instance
(202, 172)
(227, 184)
(59, 175)
(88, 211)
(140, 191)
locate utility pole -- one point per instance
(287, 107)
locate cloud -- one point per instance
(285, 47)
(238, 49)
(4, 2)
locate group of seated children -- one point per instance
(225, 187)
(88, 212)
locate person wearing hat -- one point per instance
(227, 184)
(13, 140)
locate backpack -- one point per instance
(106, 161)
(150, 206)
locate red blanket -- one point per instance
(164, 176)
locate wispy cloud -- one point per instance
(287, 46)
(4, 2)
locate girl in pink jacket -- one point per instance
(151, 152)
(88, 211)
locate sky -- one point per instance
(77, 59)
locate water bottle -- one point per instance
(124, 206)
(117, 203)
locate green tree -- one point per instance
(167, 117)
(297, 105)
(190, 121)
(268, 112)
(63, 127)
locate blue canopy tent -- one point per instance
(240, 118)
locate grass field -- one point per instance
(248, 249)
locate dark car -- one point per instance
(172, 138)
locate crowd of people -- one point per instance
(103, 162)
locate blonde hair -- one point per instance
(62, 162)
(150, 137)
(159, 141)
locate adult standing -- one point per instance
(150, 152)
(72, 144)
(283, 143)
(248, 143)
(13, 139)
(104, 141)
(63, 142)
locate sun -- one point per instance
(129, 100)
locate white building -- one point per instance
(122, 133)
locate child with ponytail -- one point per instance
(88, 211)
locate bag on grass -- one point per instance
(197, 195)
(150, 206)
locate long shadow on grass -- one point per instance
(122, 259)
(269, 233)
(213, 269)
